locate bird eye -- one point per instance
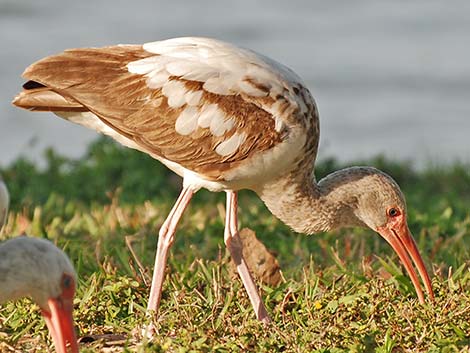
(67, 281)
(68, 285)
(393, 212)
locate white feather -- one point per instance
(209, 112)
(175, 91)
(193, 97)
(217, 85)
(187, 121)
(278, 124)
(230, 145)
(201, 75)
(205, 59)
(147, 65)
(156, 79)
(220, 124)
(183, 67)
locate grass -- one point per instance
(343, 291)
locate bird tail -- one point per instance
(35, 96)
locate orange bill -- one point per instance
(59, 320)
(399, 237)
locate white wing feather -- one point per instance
(224, 68)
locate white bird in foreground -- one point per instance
(224, 118)
(36, 268)
(4, 203)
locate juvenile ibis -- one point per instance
(36, 268)
(4, 203)
(224, 118)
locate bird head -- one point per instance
(58, 315)
(37, 268)
(381, 206)
(56, 299)
(367, 197)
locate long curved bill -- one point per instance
(402, 242)
(59, 320)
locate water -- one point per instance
(388, 77)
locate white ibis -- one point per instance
(4, 203)
(36, 268)
(224, 118)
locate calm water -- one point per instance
(388, 77)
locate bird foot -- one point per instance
(148, 331)
(266, 321)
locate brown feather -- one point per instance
(99, 81)
(46, 100)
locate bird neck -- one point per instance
(310, 207)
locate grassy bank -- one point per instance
(343, 291)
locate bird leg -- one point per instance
(165, 241)
(234, 244)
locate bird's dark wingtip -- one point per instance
(32, 85)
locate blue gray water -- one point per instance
(389, 77)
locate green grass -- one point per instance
(344, 291)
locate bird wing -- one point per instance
(202, 103)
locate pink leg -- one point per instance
(234, 244)
(165, 241)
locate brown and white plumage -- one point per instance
(35, 268)
(224, 118)
(182, 120)
(4, 203)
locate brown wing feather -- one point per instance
(98, 80)
(45, 100)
